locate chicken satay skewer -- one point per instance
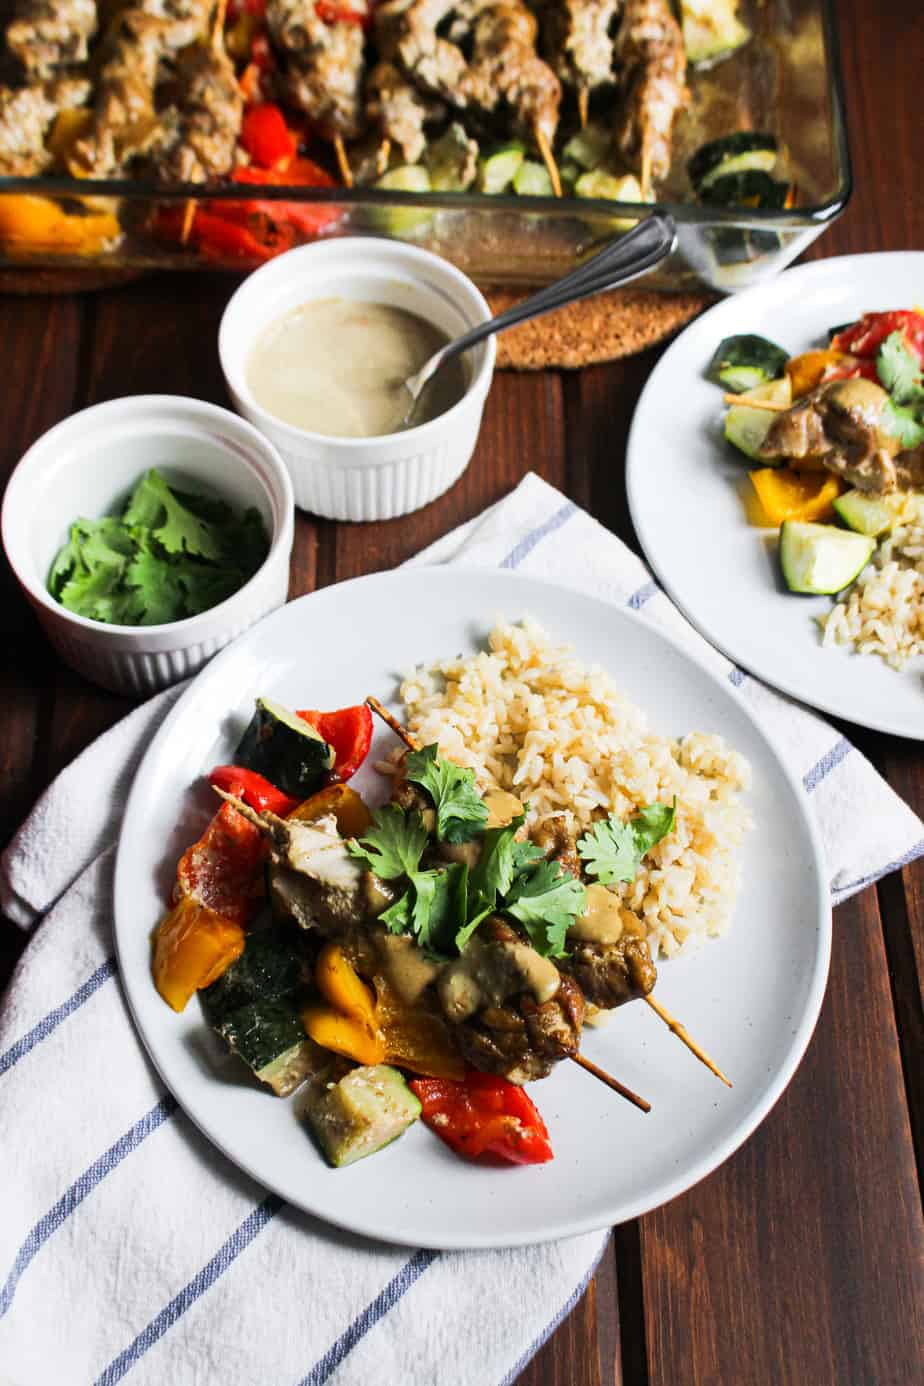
(216, 40)
(660, 1011)
(548, 158)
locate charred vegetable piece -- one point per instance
(255, 790)
(270, 966)
(711, 30)
(353, 818)
(223, 869)
(285, 749)
(348, 731)
(745, 149)
(787, 495)
(368, 1109)
(483, 1115)
(743, 362)
(192, 947)
(752, 188)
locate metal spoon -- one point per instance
(633, 254)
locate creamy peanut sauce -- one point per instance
(404, 966)
(486, 974)
(601, 921)
(336, 367)
(502, 808)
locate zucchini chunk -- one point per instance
(368, 1109)
(731, 154)
(744, 362)
(711, 30)
(590, 147)
(752, 188)
(599, 183)
(396, 221)
(254, 1006)
(820, 559)
(498, 170)
(863, 513)
(289, 752)
(747, 428)
(452, 160)
(532, 180)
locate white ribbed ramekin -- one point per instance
(363, 478)
(88, 465)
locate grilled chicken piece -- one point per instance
(553, 838)
(505, 67)
(26, 116)
(435, 63)
(578, 42)
(839, 428)
(125, 121)
(511, 1011)
(610, 974)
(652, 64)
(48, 36)
(324, 65)
(204, 125)
(400, 111)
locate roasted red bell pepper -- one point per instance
(266, 137)
(224, 870)
(349, 731)
(866, 335)
(255, 790)
(482, 1115)
(303, 217)
(863, 367)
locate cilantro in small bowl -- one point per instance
(169, 555)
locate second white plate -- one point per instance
(687, 496)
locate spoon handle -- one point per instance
(633, 254)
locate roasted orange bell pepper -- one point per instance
(810, 369)
(192, 947)
(29, 223)
(353, 818)
(789, 495)
(379, 1028)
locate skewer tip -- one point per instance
(682, 1034)
(548, 158)
(343, 163)
(601, 1074)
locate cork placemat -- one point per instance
(604, 328)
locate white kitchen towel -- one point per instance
(128, 1245)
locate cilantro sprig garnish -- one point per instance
(613, 850)
(899, 370)
(168, 556)
(393, 845)
(460, 811)
(546, 900)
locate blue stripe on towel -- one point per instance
(411, 1271)
(204, 1280)
(53, 1019)
(526, 545)
(813, 778)
(559, 1318)
(842, 892)
(78, 1191)
(643, 595)
(736, 676)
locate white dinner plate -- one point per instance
(687, 495)
(751, 998)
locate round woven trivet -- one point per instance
(596, 329)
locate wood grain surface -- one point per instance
(801, 1260)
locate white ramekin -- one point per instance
(89, 464)
(363, 478)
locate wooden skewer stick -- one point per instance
(612, 1082)
(400, 732)
(644, 176)
(770, 405)
(583, 102)
(382, 155)
(548, 158)
(217, 41)
(343, 163)
(685, 1038)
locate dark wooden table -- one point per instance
(802, 1259)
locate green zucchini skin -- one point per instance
(709, 158)
(752, 186)
(740, 363)
(262, 1031)
(271, 965)
(358, 1116)
(284, 749)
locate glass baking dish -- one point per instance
(785, 80)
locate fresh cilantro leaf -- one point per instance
(460, 811)
(67, 560)
(107, 542)
(394, 844)
(154, 505)
(397, 918)
(494, 872)
(91, 593)
(904, 424)
(613, 850)
(465, 933)
(899, 369)
(524, 855)
(546, 901)
(160, 591)
(439, 907)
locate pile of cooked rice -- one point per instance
(529, 717)
(883, 611)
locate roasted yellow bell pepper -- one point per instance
(353, 818)
(30, 223)
(379, 1029)
(788, 495)
(69, 127)
(809, 369)
(193, 946)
